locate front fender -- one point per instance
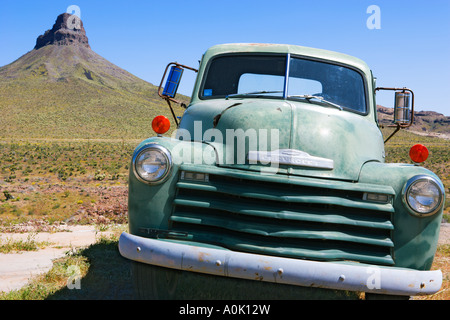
(415, 239)
(150, 206)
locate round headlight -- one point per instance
(152, 163)
(423, 195)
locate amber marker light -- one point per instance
(160, 124)
(418, 153)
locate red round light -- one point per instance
(160, 124)
(418, 153)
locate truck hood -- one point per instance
(284, 137)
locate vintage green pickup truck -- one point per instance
(277, 173)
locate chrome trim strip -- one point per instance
(290, 157)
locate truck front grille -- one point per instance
(303, 218)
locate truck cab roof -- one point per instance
(291, 49)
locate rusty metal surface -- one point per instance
(338, 276)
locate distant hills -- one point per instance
(63, 89)
(425, 122)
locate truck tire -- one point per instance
(152, 282)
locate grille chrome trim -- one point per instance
(297, 217)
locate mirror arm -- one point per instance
(171, 110)
(393, 133)
(168, 99)
(398, 125)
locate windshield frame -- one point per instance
(284, 96)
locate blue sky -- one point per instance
(412, 47)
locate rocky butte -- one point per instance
(68, 29)
(64, 89)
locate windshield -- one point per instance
(233, 74)
(239, 76)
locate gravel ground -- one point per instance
(17, 268)
(444, 234)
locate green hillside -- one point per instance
(71, 92)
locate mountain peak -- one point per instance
(67, 30)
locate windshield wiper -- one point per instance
(239, 95)
(321, 99)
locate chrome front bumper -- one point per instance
(331, 275)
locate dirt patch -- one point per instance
(44, 208)
(64, 216)
(445, 136)
(444, 234)
(17, 268)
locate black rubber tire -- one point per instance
(154, 283)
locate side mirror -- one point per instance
(403, 108)
(173, 80)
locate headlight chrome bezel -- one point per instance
(155, 148)
(413, 181)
